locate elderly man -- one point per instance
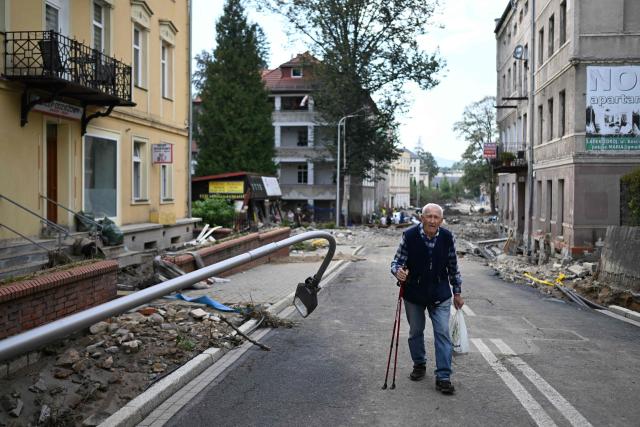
(427, 264)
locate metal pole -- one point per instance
(190, 118)
(531, 123)
(338, 178)
(37, 337)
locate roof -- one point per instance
(222, 176)
(276, 81)
(501, 20)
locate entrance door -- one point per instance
(52, 171)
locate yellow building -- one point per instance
(94, 112)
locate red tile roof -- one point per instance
(280, 80)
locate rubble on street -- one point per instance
(88, 376)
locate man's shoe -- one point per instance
(418, 372)
(445, 387)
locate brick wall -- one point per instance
(231, 248)
(30, 303)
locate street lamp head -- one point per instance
(306, 299)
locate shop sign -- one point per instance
(60, 109)
(162, 153)
(490, 150)
(226, 187)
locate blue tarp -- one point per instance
(204, 299)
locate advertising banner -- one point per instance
(613, 108)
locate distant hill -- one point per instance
(444, 163)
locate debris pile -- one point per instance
(99, 370)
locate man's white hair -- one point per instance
(433, 206)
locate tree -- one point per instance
(233, 127)
(428, 163)
(367, 49)
(478, 127)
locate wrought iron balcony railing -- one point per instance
(48, 55)
(49, 62)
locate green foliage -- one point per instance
(233, 123)
(214, 211)
(507, 156)
(478, 127)
(632, 182)
(184, 343)
(368, 50)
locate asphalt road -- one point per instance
(533, 360)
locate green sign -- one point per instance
(612, 143)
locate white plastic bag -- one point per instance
(458, 332)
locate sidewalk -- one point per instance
(270, 284)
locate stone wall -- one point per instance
(231, 248)
(43, 299)
(619, 262)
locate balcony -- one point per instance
(305, 191)
(513, 163)
(54, 67)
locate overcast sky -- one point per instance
(467, 43)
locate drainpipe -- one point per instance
(532, 62)
(190, 138)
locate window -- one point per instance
(98, 27)
(540, 123)
(303, 174)
(525, 75)
(563, 22)
(540, 47)
(166, 183)
(101, 26)
(508, 88)
(504, 85)
(166, 70)
(100, 176)
(525, 129)
(139, 68)
(560, 208)
(550, 121)
(539, 199)
(139, 173)
(561, 114)
(303, 137)
(549, 205)
(296, 72)
(550, 36)
(515, 76)
(52, 18)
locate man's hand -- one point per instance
(458, 302)
(402, 274)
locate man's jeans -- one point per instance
(439, 315)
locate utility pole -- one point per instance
(530, 177)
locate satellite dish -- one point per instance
(518, 52)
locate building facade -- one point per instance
(306, 167)
(95, 111)
(568, 102)
(399, 181)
